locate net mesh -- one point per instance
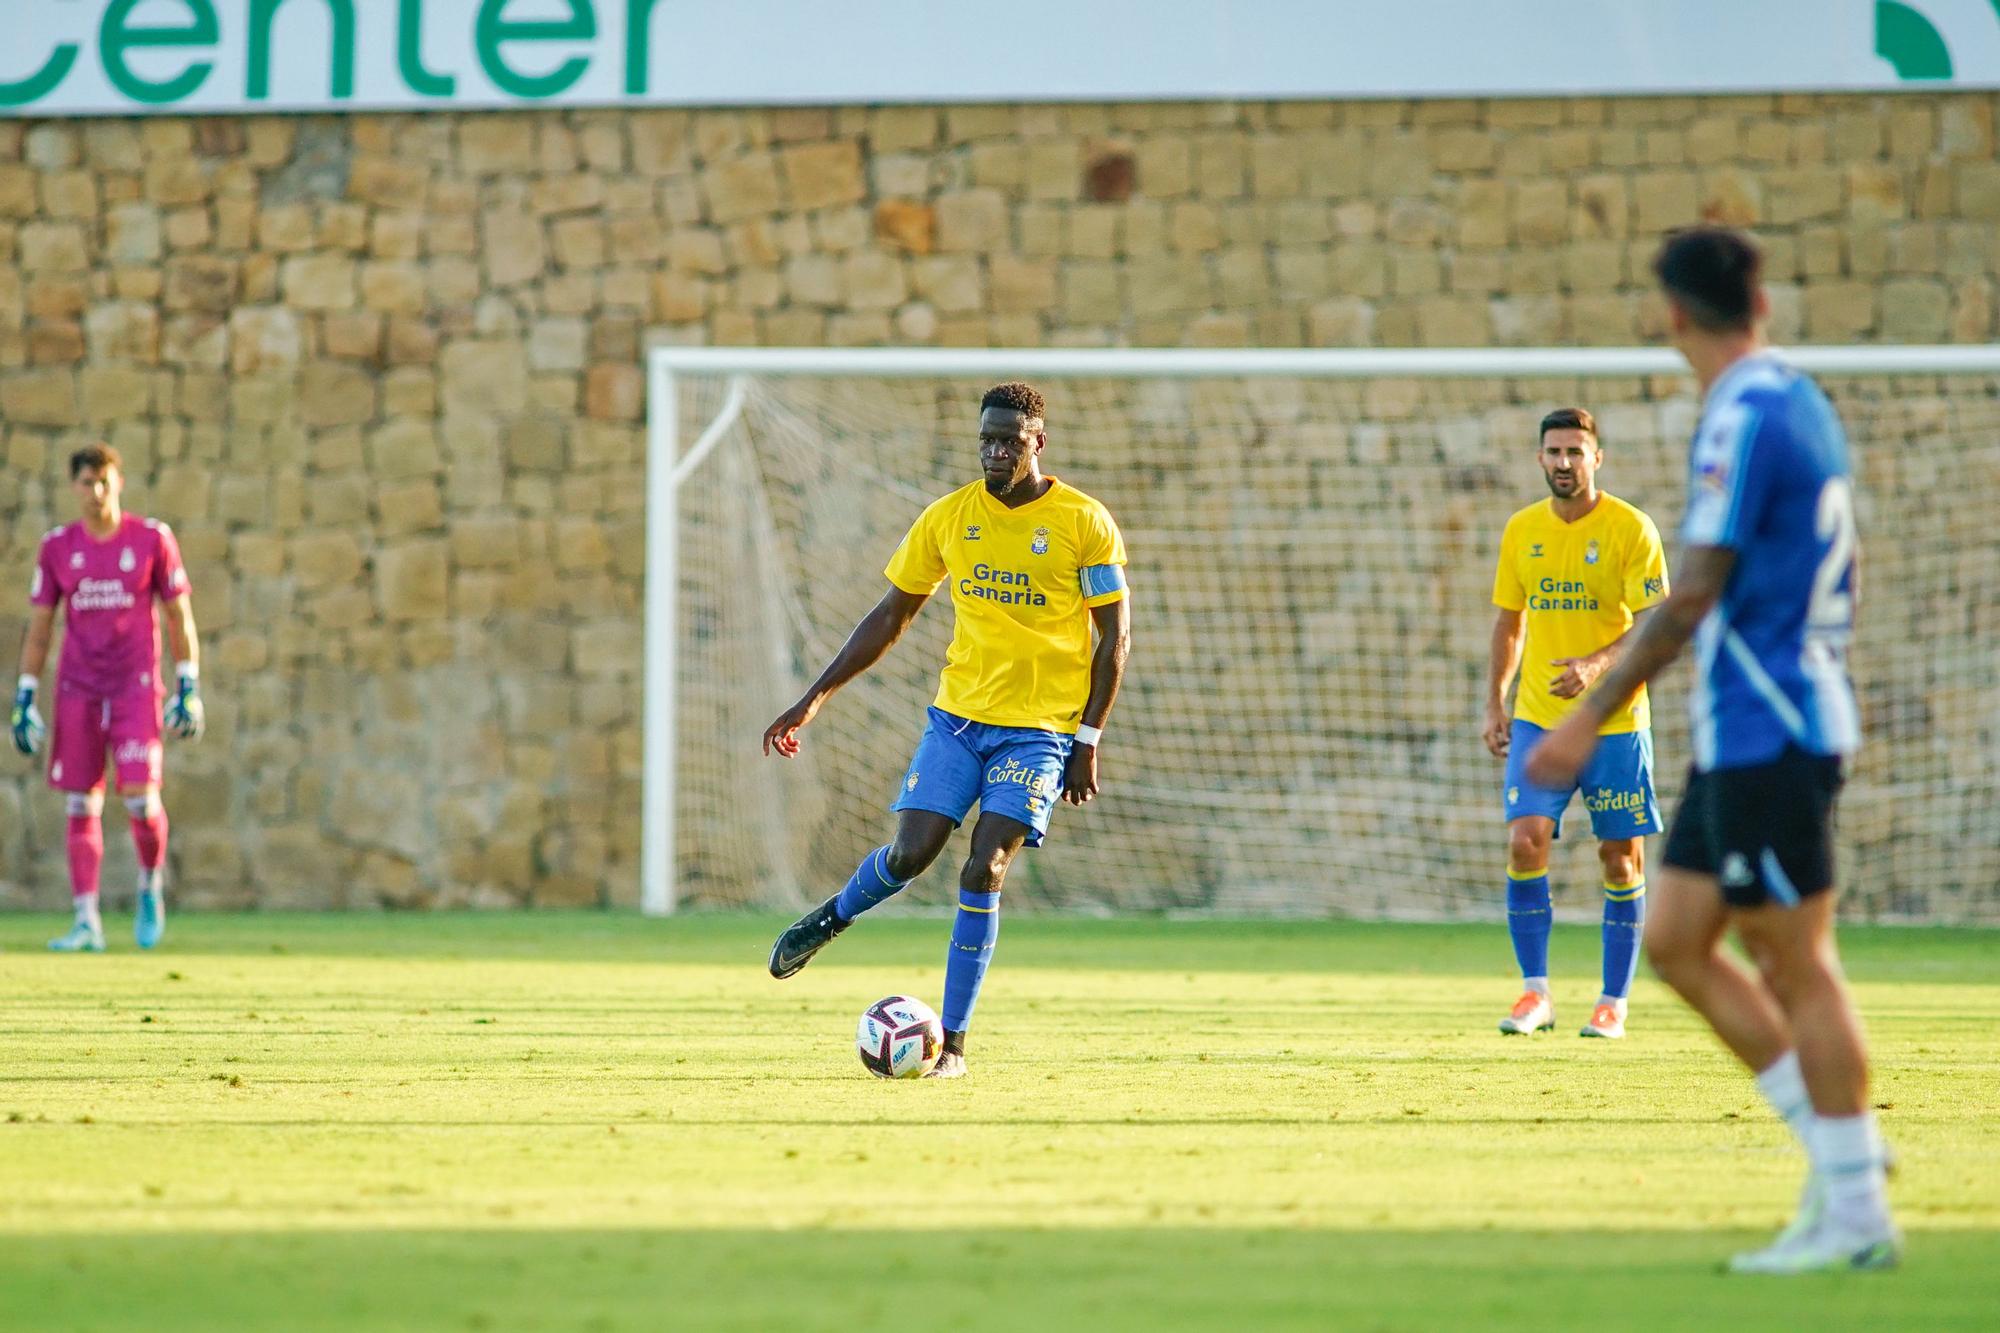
(1311, 565)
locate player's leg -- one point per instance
(996, 840)
(938, 789)
(1529, 918)
(1534, 820)
(1683, 938)
(1624, 864)
(84, 841)
(1787, 844)
(149, 842)
(1618, 787)
(136, 755)
(1021, 773)
(76, 769)
(920, 836)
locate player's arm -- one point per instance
(185, 716)
(1580, 673)
(874, 636)
(1503, 656)
(1107, 672)
(26, 720)
(1704, 573)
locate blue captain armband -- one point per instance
(1100, 580)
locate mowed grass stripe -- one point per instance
(552, 1119)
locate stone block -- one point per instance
(408, 507)
(319, 282)
(823, 175)
(411, 581)
(486, 543)
(971, 221)
(323, 560)
(404, 450)
(614, 392)
(484, 377)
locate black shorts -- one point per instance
(1764, 832)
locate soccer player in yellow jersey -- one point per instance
(1577, 571)
(1032, 565)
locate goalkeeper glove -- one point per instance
(27, 720)
(185, 717)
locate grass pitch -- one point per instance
(598, 1122)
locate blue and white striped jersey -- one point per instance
(1769, 479)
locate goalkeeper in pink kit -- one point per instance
(106, 569)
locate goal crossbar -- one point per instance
(669, 465)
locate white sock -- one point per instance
(1847, 1156)
(149, 880)
(1539, 985)
(86, 911)
(1783, 1084)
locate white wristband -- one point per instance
(28, 682)
(1089, 735)
(187, 671)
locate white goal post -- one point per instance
(700, 400)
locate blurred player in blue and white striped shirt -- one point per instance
(1766, 592)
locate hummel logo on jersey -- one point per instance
(76, 560)
(972, 532)
(1736, 872)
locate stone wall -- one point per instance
(382, 373)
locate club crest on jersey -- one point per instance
(911, 785)
(1590, 552)
(1040, 545)
(127, 561)
(972, 532)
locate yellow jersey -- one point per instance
(1578, 585)
(1022, 582)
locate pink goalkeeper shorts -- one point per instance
(128, 725)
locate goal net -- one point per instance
(1312, 541)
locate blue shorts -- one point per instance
(1617, 784)
(1011, 771)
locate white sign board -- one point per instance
(122, 57)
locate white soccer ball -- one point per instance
(899, 1038)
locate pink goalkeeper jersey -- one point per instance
(111, 638)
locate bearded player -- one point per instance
(1577, 572)
(105, 570)
(1033, 566)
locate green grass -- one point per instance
(597, 1122)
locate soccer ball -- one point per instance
(899, 1038)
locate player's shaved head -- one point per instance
(1712, 274)
(96, 457)
(1015, 396)
(1569, 418)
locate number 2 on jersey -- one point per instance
(1832, 607)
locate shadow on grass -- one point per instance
(797, 1281)
(1090, 944)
